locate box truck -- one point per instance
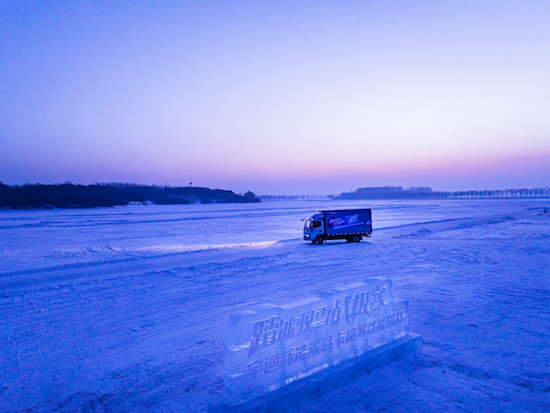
(349, 224)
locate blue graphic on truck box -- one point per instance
(345, 221)
(348, 222)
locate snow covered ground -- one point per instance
(126, 308)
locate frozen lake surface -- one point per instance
(126, 308)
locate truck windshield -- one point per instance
(307, 224)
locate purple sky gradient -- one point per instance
(278, 97)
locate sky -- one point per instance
(276, 97)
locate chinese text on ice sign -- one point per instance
(272, 346)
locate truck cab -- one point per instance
(314, 228)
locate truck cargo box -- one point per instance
(352, 221)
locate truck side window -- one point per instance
(316, 224)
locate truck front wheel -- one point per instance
(320, 240)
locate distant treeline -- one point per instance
(392, 192)
(295, 197)
(86, 196)
(387, 192)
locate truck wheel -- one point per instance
(356, 238)
(320, 240)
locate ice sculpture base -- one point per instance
(300, 391)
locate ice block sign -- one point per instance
(272, 346)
